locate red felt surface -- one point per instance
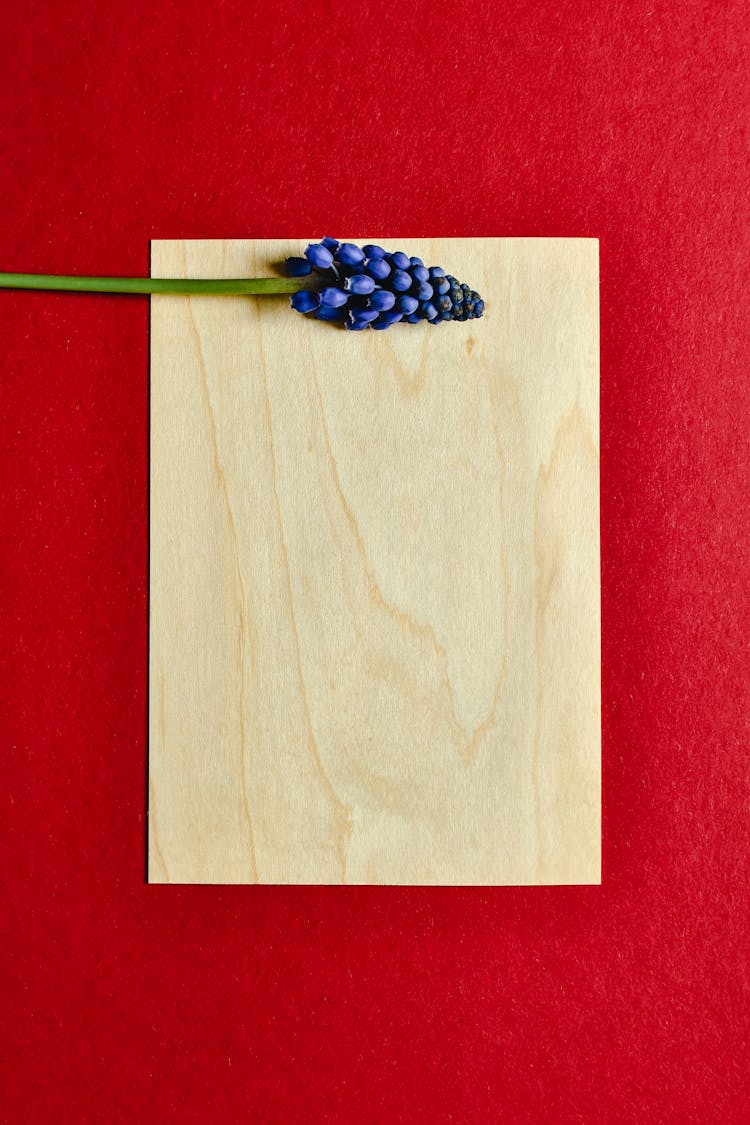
(123, 1002)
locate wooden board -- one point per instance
(374, 588)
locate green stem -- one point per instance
(209, 287)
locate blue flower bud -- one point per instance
(297, 267)
(327, 312)
(350, 255)
(419, 273)
(378, 268)
(331, 244)
(429, 312)
(479, 308)
(444, 304)
(305, 300)
(359, 283)
(400, 281)
(437, 271)
(424, 291)
(355, 325)
(386, 319)
(413, 318)
(441, 285)
(406, 304)
(416, 261)
(320, 256)
(333, 297)
(364, 315)
(400, 260)
(382, 300)
(373, 251)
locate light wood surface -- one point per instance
(374, 590)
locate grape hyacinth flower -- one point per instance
(375, 288)
(355, 286)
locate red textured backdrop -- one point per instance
(123, 1002)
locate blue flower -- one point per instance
(350, 255)
(369, 287)
(382, 300)
(401, 281)
(361, 318)
(328, 312)
(320, 256)
(400, 260)
(407, 304)
(298, 267)
(377, 268)
(334, 298)
(386, 319)
(305, 300)
(359, 283)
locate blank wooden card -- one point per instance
(374, 588)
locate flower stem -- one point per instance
(209, 287)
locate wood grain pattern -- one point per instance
(374, 598)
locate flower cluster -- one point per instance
(370, 287)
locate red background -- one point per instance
(626, 121)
